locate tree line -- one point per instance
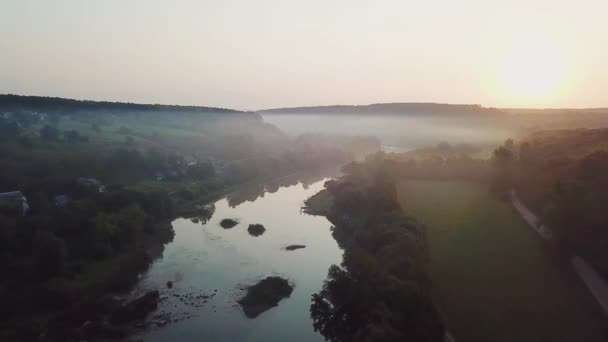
(381, 291)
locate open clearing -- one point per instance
(492, 278)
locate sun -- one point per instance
(533, 72)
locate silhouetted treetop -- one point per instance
(11, 102)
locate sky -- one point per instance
(247, 54)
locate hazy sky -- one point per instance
(261, 54)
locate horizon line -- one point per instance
(310, 106)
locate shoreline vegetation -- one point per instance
(381, 291)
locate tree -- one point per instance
(125, 130)
(95, 127)
(40, 203)
(593, 169)
(502, 176)
(201, 171)
(49, 133)
(131, 221)
(51, 254)
(444, 147)
(8, 129)
(72, 136)
(105, 233)
(120, 230)
(54, 119)
(525, 153)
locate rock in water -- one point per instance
(265, 295)
(256, 229)
(228, 223)
(294, 247)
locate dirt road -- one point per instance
(594, 282)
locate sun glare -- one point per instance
(533, 73)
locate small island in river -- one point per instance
(256, 229)
(265, 295)
(228, 223)
(294, 247)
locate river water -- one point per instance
(209, 266)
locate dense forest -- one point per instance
(62, 105)
(381, 291)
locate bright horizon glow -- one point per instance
(533, 72)
(280, 53)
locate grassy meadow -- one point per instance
(492, 278)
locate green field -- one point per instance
(491, 278)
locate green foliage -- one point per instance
(503, 162)
(49, 133)
(200, 171)
(380, 292)
(563, 175)
(51, 254)
(73, 137)
(8, 129)
(125, 130)
(575, 210)
(40, 203)
(106, 228)
(120, 228)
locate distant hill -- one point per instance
(410, 109)
(11, 102)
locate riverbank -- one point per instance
(381, 290)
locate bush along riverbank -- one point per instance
(381, 291)
(62, 261)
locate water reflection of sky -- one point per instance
(205, 257)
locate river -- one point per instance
(209, 266)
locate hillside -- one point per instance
(412, 109)
(11, 102)
(554, 118)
